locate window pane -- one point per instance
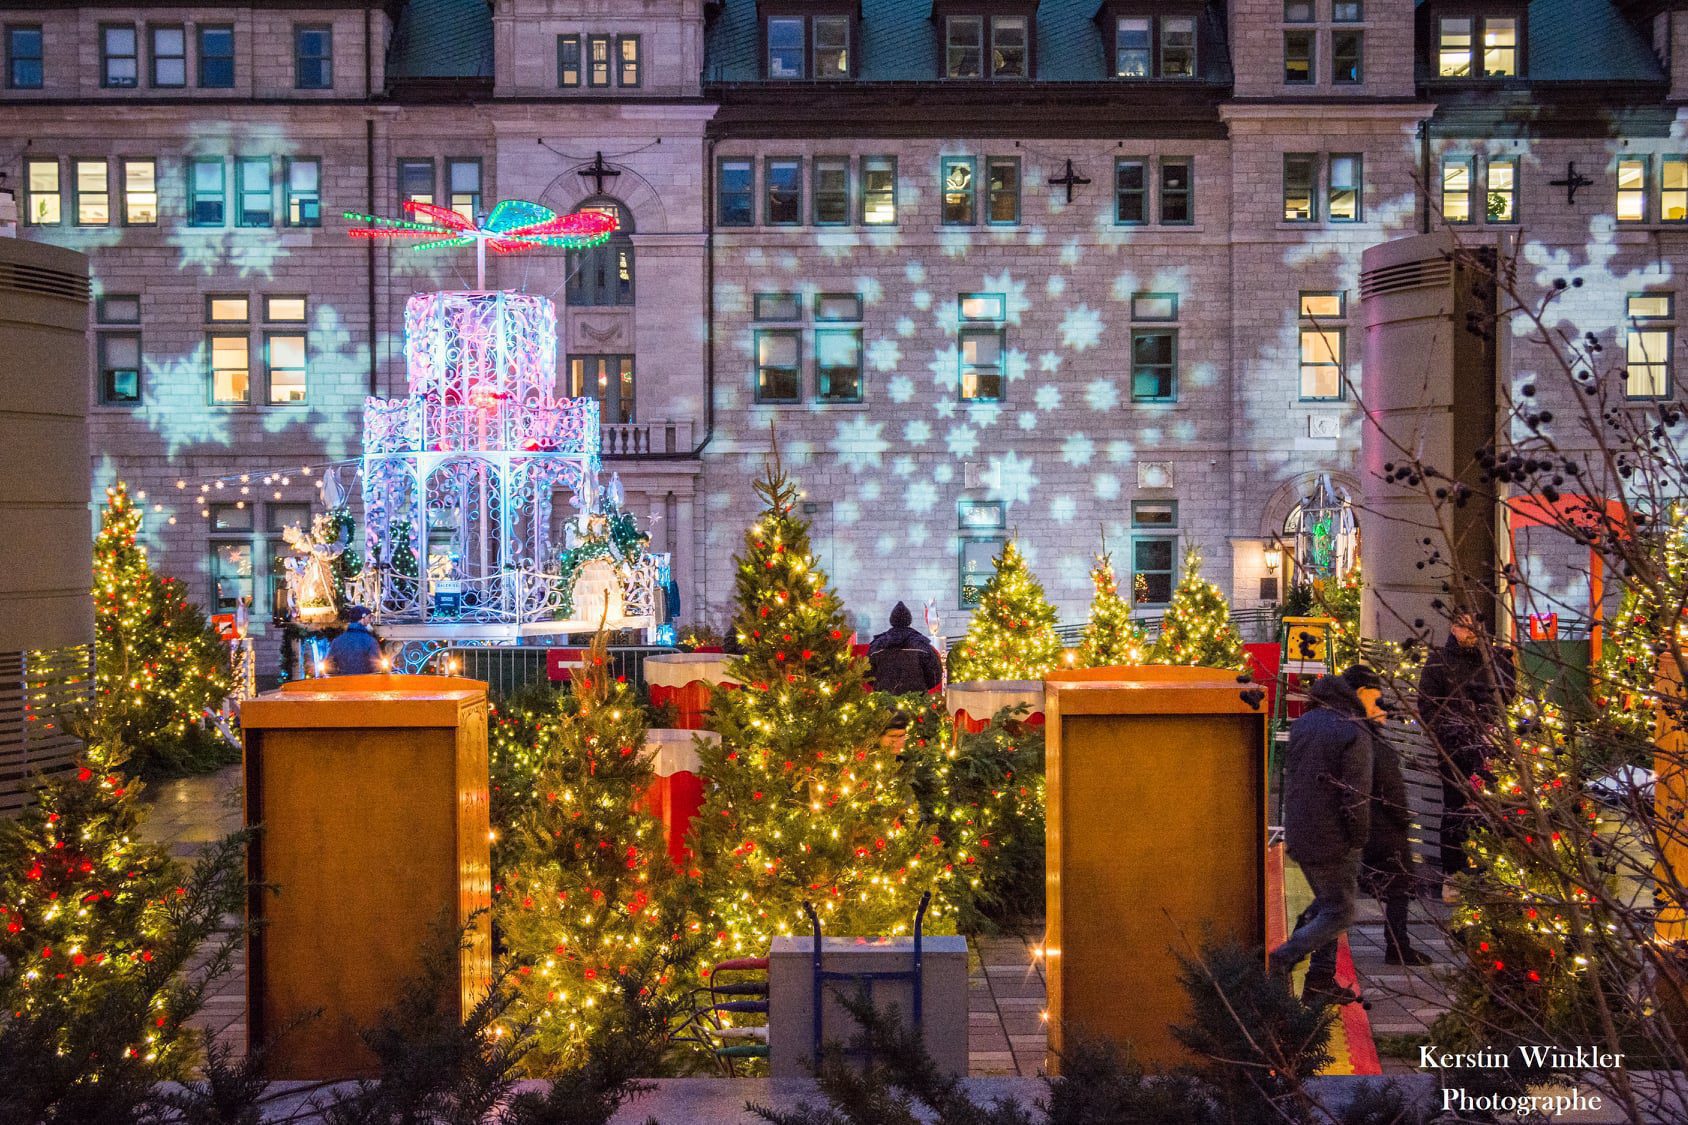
(284, 308)
(1500, 47)
(778, 370)
(1178, 47)
(304, 193)
(627, 48)
(256, 198)
(838, 364)
(1154, 306)
(287, 369)
(965, 46)
(313, 61)
(1650, 306)
(1632, 190)
(568, 60)
(1453, 50)
(1298, 11)
(1325, 306)
(1008, 47)
(1649, 355)
(114, 309)
(169, 56)
(1345, 188)
(1321, 362)
(140, 192)
(832, 190)
(216, 58)
(735, 183)
(838, 306)
(832, 47)
(879, 190)
(1151, 561)
(1673, 198)
(982, 306)
(1456, 191)
(46, 204)
(1175, 187)
(1347, 57)
(958, 190)
(785, 48)
(231, 376)
(206, 186)
(981, 364)
(1131, 48)
(1501, 203)
(416, 181)
(1298, 57)
(1299, 174)
(1152, 365)
(93, 195)
(778, 306)
(598, 60)
(24, 69)
(784, 204)
(1348, 11)
(1154, 513)
(231, 309)
(1131, 192)
(1004, 191)
(463, 187)
(122, 65)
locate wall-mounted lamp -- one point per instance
(1274, 559)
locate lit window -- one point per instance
(120, 368)
(416, 181)
(1133, 55)
(1500, 48)
(783, 184)
(232, 576)
(982, 342)
(832, 46)
(1176, 191)
(140, 193)
(1321, 362)
(779, 366)
(1453, 47)
(1178, 47)
(1298, 57)
(879, 190)
(983, 306)
(119, 62)
(1501, 195)
(735, 191)
(1673, 189)
(1347, 57)
(216, 57)
(958, 191)
(627, 52)
(302, 182)
(169, 56)
(1346, 202)
(231, 370)
(785, 48)
(1008, 47)
(598, 60)
(93, 193)
(24, 63)
(838, 364)
(1154, 513)
(964, 46)
(831, 191)
(1649, 345)
(1632, 189)
(1456, 189)
(1131, 191)
(284, 310)
(603, 275)
(1300, 176)
(1154, 365)
(227, 308)
(607, 378)
(463, 187)
(286, 362)
(256, 195)
(313, 58)
(206, 196)
(1002, 190)
(44, 205)
(568, 60)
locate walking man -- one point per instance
(1327, 794)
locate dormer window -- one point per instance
(1477, 46)
(1155, 47)
(808, 46)
(986, 47)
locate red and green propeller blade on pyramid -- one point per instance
(513, 225)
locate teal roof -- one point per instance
(899, 43)
(437, 39)
(1584, 41)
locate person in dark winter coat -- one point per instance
(1327, 798)
(1386, 861)
(356, 651)
(902, 659)
(1462, 697)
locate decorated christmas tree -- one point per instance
(158, 666)
(1012, 634)
(806, 801)
(1197, 626)
(1624, 681)
(98, 931)
(581, 904)
(1110, 636)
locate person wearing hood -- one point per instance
(902, 659)
(1386, 862)
(1462, 699)
(1327, 798)
(355, 652)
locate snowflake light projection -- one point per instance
(513, 226)
(460, 477)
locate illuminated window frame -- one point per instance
(89, 200)
(1633, 189)
(1309, 371)
(970, 376)
(970, 193)
(825, 58)
(254, 205)
(219, 372)
(1474, 30)
(1338, 208)
(301, 203)
(570, 68)
(40, 203)
(465, 202)
(872, 199)
(1500, 205)
(140, 193)
(1649, 347)
(1459, 202)
(616, 405)
(782, 371)
(112, 392)
(600, 61)
(277, 375)
(1673, 189)
(409, 176)
(999, 26)
(745, 195)
(779, 164)
(629, 62)
(1154, 515)
(1301, 182)
(833, 201)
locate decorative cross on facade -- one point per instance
(598, 172)
(1572, 181)
(1069, 181)
(513, 225)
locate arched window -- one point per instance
(604, 275)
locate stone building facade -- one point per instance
(1061, 270)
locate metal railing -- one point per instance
(1256, 625)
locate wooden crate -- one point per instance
(1156, 829)
(371, 797)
